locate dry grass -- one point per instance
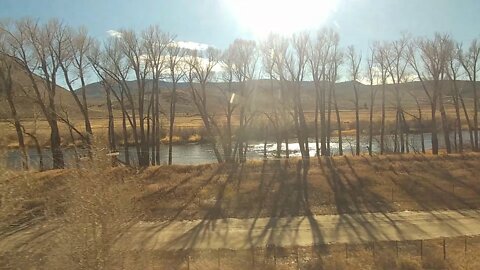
(276, 188)
(188, 128)
(107, 199)
(336, 185)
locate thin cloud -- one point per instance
(114, 33)
(190, 45)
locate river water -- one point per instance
(190, 154)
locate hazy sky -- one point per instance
(219, 22)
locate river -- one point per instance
(201, 153)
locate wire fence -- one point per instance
(461, 252)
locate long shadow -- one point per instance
(354, 207)
(164, 224)
(213, 214)
(281, 214)
(282, 197)
(436, 190)
(442, 197)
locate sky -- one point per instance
(220, 22)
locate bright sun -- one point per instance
(262, 17)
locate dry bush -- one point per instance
(100, 208)
(26, 198)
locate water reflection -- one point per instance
(190, 154)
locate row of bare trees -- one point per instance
(134, 67)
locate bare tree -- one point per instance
(396, 66)
(419, 119)
(355, 61)
(200, 73)
(245, 57)
(133, 51)
(452, 73)
(267, 50)
(434, 59)
(371, 74)
(39, 49)
(176, 69)
(6, 84)
(75, 67)
(278, 52)
(155, 43)
(100, 63)
(469, 61)
(295, 67)
(320, 51)
(381, 58)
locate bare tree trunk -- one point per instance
(124, 131)
(458, 121)
(157, 125)
(38, 148)
(6, 77)
(470, 128)
(382, 128)
(434, 127)
(475, 112)
(370, 132)
(111, 122)
(323, 129)
(173, 101)
(317, 105)
(421, 126)
(55, 141)
(18, 130)
(70, 131)
(357, 122)
(329, 121)
(339, 123)
(445, 125)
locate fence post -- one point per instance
(396, 246)
(296, 255)
(444, 250)
(465, 246)
(253, 257)
(373, 250)
(188, 262)
(218, 258)
(274, 255)
(421, 249)
(346, 251)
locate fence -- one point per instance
(456, 253)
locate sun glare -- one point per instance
(262, 17)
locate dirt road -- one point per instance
(237, 234)
(301, 231)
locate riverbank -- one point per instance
(190, 128)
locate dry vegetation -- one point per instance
(92, 207)
(188, 128)
(336, 185)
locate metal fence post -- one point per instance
(444, 250)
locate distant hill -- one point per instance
(262, 99)
(23, 93)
